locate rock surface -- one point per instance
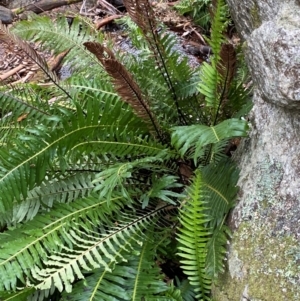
(264, 254)
(6, 15)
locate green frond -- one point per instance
(198, 136)
(21, 108)
(137, 278)
(16, 296)
(59, 36)
(219, 23)
(24, 249)
(216, 247)
(186, 289)
(114, 177)
(209, 86)
(197, 9)
(37, 150)
(174, 294)
(162, 188)
(193, 237)
(57, 190)
(220, 182)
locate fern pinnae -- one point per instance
(142, 14)
(124, 83)
(193, 237)
(8, 37)
(226, 69)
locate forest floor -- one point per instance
(15, 67)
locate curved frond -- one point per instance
(133, 280)
(44, 235)
(26, 165)
(198, 136)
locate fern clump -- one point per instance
(107, 175)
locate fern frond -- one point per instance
(160, 44)
(209, 86)
(8, 37)
(125, 85)
(116, 176)
(59, 36)
(36, 151)
(32, 246)
(186, 289)
(57, 190)
(198, 136)
(92, 250)
(216, 250)
(16, 296)
(220, 183)
(135, 279)
(193, 237)
(218, 25)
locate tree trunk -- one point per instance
(264, 253)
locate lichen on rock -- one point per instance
(263, 261)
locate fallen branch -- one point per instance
(107, 20)
(44, 5)
(11, 72)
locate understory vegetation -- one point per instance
(115, 183)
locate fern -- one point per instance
(193, 238)
(198, 136)
(59, 36)
(101, 172)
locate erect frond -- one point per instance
(220, 183)
(227, 65)
(218, 74)
(193, 237)
(125, 85)
(218, 25)
(197, 136)
(141, 12)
